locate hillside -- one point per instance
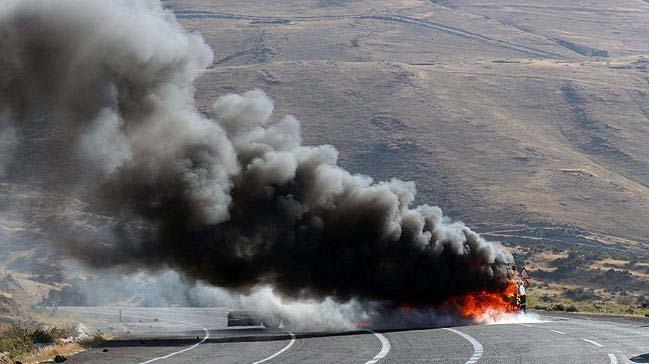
(500, 124)
(529, 122)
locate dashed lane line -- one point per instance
(612, 358)
(477, 347)
(385, 347)
(288, 346)
(594, 343)
(558, 332)
(207, 336)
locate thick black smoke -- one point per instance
(234, 200)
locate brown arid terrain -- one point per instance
(499, 125)
(526, 120)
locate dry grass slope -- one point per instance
(529, 121)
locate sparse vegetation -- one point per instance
(96, 341)
(580, 294)
(585, 280)
(48, 353)
(571, 308)
(16, 341)
(599, 307)
(48, 335)
(19, 341)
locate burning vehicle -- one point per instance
(484, 306)
(255, 318)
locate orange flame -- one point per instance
(486, 306)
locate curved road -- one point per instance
(199, 335)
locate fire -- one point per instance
(486, 306)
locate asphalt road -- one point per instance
(199, 335)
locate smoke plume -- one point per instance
(232, 199)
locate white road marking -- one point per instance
(612, 358)
(558, 332)
(207, 336)
(385, 347)
(477, 347)
(526, 325)
(279, 352)
(594, 343)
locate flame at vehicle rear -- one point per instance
(485, 306)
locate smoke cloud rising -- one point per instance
(234, 199)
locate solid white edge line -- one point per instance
(477, 347)
(385, 347)
(612, 358)
(279, 352)
(558, 332)
(594, 343)
(207, 336)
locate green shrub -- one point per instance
(16, 341)
(545, 298)
(580, 294)
(571, 308)
(47, 336)
(41, 336)
(96, 341)
(558, 307)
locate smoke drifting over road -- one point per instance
(234, 199)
